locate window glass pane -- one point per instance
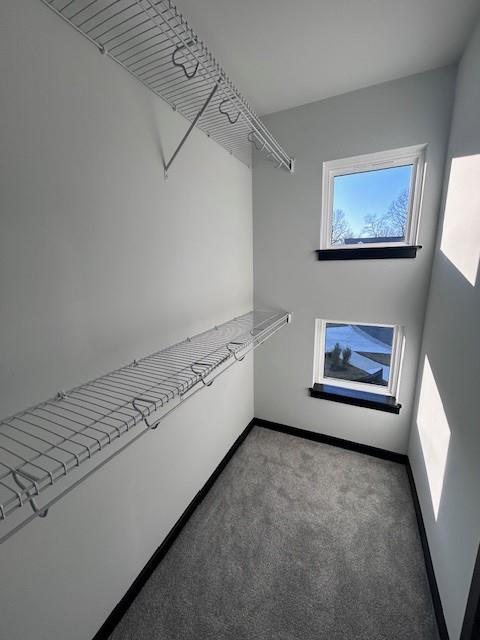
(371, 206)
(358, 353)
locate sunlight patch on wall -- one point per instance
(461, 226)
(434, 434)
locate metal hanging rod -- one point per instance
(152, 40)
(49, 449)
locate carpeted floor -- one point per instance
(295, 541)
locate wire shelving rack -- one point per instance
(153, 41)
(42, 447)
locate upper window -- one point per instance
(372, 200)
(358, 356)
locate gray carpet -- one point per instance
(296, 541)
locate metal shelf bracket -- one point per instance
(191, 127)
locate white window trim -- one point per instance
(415, 155)
(398, 346)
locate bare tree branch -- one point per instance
(393, 223)
(340, 227)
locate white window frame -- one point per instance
(398, 345)
(415, 155)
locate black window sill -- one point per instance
(357, 398)
(368, 253)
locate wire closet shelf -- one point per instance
(153, 41)
(43, 446)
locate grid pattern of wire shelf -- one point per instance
(153, 41)
(41, 446)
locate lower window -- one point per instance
(359, 356)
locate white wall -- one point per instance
(286, 232)
(101, 261)
(445, 440)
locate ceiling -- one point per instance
(282, 54)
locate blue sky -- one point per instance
(369, 192)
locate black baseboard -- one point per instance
(118, 612)
(471, 621)
(121, 608)
(384, 454)
(432, 581)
